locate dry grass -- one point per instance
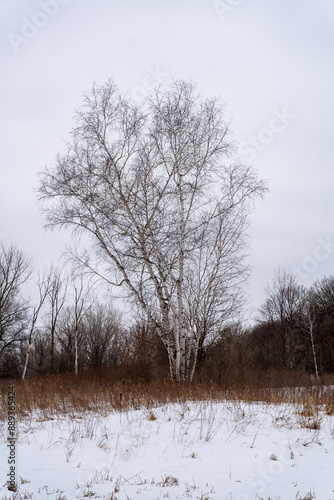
(168, 481)
(308, 496)
(99, 390)
(66, 398)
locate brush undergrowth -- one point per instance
(98, 391)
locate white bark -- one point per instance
(313, 351)
(308, 326)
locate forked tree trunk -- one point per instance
(181, 373)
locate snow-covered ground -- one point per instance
(204, 450)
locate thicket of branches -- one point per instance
(67, 329)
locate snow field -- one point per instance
(201, 450)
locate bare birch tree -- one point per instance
(308, 325)
(165, 205)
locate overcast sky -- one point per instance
(272, 61)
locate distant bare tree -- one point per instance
(70, 337)
(81, 307)
(73, 316)
(322, 299)
(282, 310)
(65, 338)
(15, 269)
(323, 295)
(70, 331)
(165, 208)
(101, 327)
(308, 322)
(56, 298)
(43, 284)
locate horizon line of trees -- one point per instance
(69, 329)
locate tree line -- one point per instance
(68, 329)
(292, 336)
(65, 328)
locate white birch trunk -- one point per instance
(26, 360)
(76, 352)
(313, 349)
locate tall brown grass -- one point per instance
(107, 390)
